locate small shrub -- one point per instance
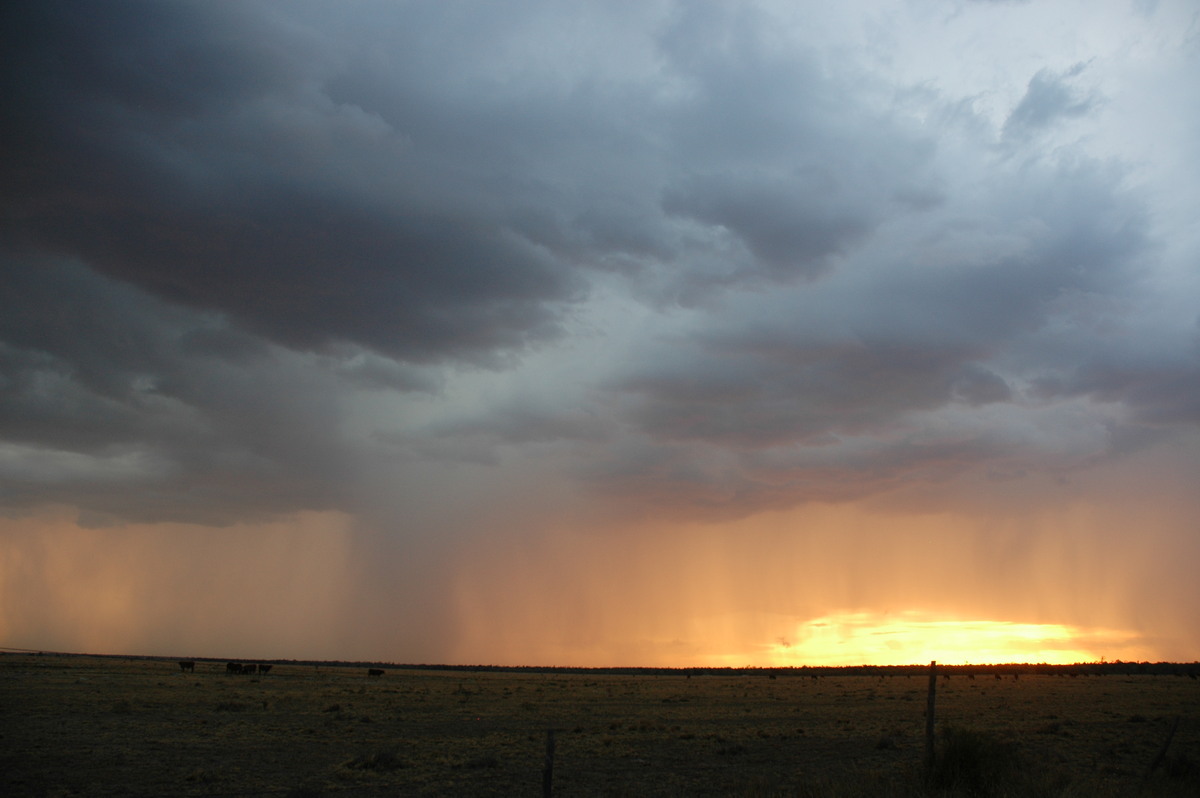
(304, 792)
(381, 760)
(202, 776)
(975, 763)
(1181, 766)
(484, 761)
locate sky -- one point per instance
(659, 333)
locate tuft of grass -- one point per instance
(384, 759)
(202, 776)
(1179, 776)
(304, 792)
(974, 763)
(1181, 766)
(483, 761)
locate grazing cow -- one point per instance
(263, 668)
(184, 665)
(237, 667)
(375, 671)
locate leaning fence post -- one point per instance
(1162, 753)
(548, 769)
(929, 717)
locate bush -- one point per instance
(382, 760)
(976, 764)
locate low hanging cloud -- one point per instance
(594, 332)
(258, 258)
(197, 156)
(134, 409)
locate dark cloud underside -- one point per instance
(254, 254)
(189, 153)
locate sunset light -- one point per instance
(914, 637)
(658, 334)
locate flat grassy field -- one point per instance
(77, 725)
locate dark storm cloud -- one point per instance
(528, 424)
(327, 181)
(484, 438)
(901, 333)
(778, 151)
(190, 150)
(128, 408)
(229, 228)
(787, 228)
(697, 481)
(833, 391)
(1155, 394)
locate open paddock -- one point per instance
(78, 725)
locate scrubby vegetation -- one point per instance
(106, 726)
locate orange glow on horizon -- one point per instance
(825, 585)
(913, 637)
(818, 585)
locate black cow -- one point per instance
(185, 665)
(264, 668)
(375, 671)
(235, 667)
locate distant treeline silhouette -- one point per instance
(1116, 667)
(818, 671)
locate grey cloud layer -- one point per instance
(197, 157)
(133, 409)
(220, 221)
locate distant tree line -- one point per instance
(1015, 669)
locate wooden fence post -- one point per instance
(548, 769)
(1161, 755)
(929, 718)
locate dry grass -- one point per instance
(102, 726)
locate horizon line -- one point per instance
(646, 668)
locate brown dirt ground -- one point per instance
(76, 725)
